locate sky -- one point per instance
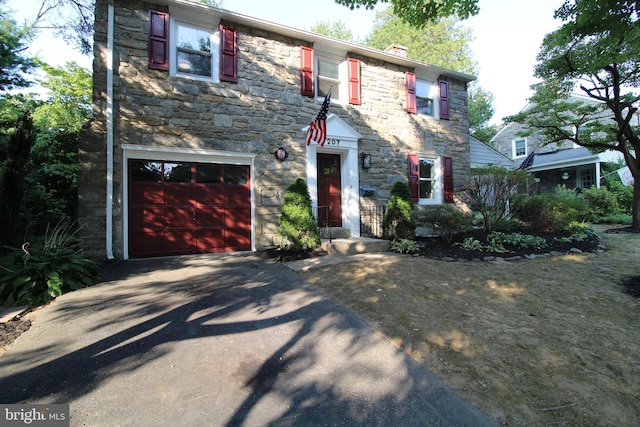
(508, 35)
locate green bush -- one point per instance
(623, 194)
(552, 211)
(298, 227)
(35, 274)
(405, 246)
(601, 202)
(446, 220)
(399, 220)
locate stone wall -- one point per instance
(263, 111)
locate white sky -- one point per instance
(507, 34)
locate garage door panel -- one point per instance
(208, 195)
(237, 195)
(210, 238)
(210, 216)
(179, 242)
(146, 242)
(183, 208)
(178, 216)
(237, 217)
(237, 239)
(147, 194)
(176, 194)
(146, 217)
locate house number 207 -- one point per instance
(333, 141)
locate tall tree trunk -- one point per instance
(635, 205)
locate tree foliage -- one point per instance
(419, 12)
(298, 227)
(14, 64)
(399, 220)
(594, 52)
(335, 29)
(443, 42)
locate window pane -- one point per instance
(144, 171)
(426, 189)
(328, 69)
(423, 89)
(177, 172)
(324, 85)
(193, 63)
(425, 106)
(521, 147)
(209, 174)
(426, 168)
(194, 39)
(238, 175)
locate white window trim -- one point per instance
(438, 181)
(195, 21)
(433, 95)
(343, 77)
(513, 148)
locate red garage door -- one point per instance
(185, 208)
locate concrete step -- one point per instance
(354, 245)
(334, 233)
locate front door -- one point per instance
(329, 190)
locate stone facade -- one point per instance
(261, 112)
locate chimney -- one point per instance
(397, 49)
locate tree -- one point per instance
(443, 42)
(480, 112)
(13, 64)
(399, 220)
(419, 12)
(596, 52)
(336, 29)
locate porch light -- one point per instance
(281, 154)
(366, 160)
(565, 176)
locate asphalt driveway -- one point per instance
(219, 340)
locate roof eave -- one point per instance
(319, 38)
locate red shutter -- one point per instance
(447, 166)
(413, 176)
(306, 72)
(158, 40)
(444, 99)
(411, 92)
(228, 55)
(354, 81)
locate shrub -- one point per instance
(601, 202)
(552, 211)
(446, 220)
(399, 220)
(35, 274)
(623, 194)
(405, 246)
(490, 191)
(298, 227)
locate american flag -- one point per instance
(317, 130)
(527, 162)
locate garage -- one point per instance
(177, 208)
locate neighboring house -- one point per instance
(554, 164)
(200, 119)
(483, 155)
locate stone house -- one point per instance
(199, 127)
(554, 164)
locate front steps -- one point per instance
(354, 245)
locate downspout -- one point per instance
(109, 113)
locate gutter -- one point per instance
(109, 114)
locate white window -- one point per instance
(430, 180)
(425, 97)
(519, 148)
(329, 76)
(194, 50)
